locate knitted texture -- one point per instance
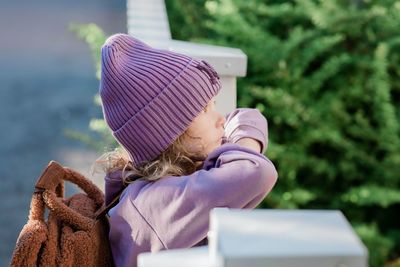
(150, 96)
(72, 234)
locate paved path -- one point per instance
(47, 84)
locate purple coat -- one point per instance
(173, 212)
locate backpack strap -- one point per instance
(51, 182)
(55, 175)
(48, 186)
(104, 210)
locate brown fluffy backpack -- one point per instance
(76, 230)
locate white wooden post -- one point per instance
(148, 21)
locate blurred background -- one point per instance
(324, 73)
(47, 84)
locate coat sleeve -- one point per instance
(246, 122)
(232, 176)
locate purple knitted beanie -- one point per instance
(150, 96)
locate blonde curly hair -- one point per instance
(176, 160)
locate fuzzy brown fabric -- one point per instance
(73, 234)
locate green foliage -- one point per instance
(367, 195)
(326, 75)
(372, 238)
(95, 38)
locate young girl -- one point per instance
(180, 157)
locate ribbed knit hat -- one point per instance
(150, 96)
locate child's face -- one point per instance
(207, 130)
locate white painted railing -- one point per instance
(272, 238)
